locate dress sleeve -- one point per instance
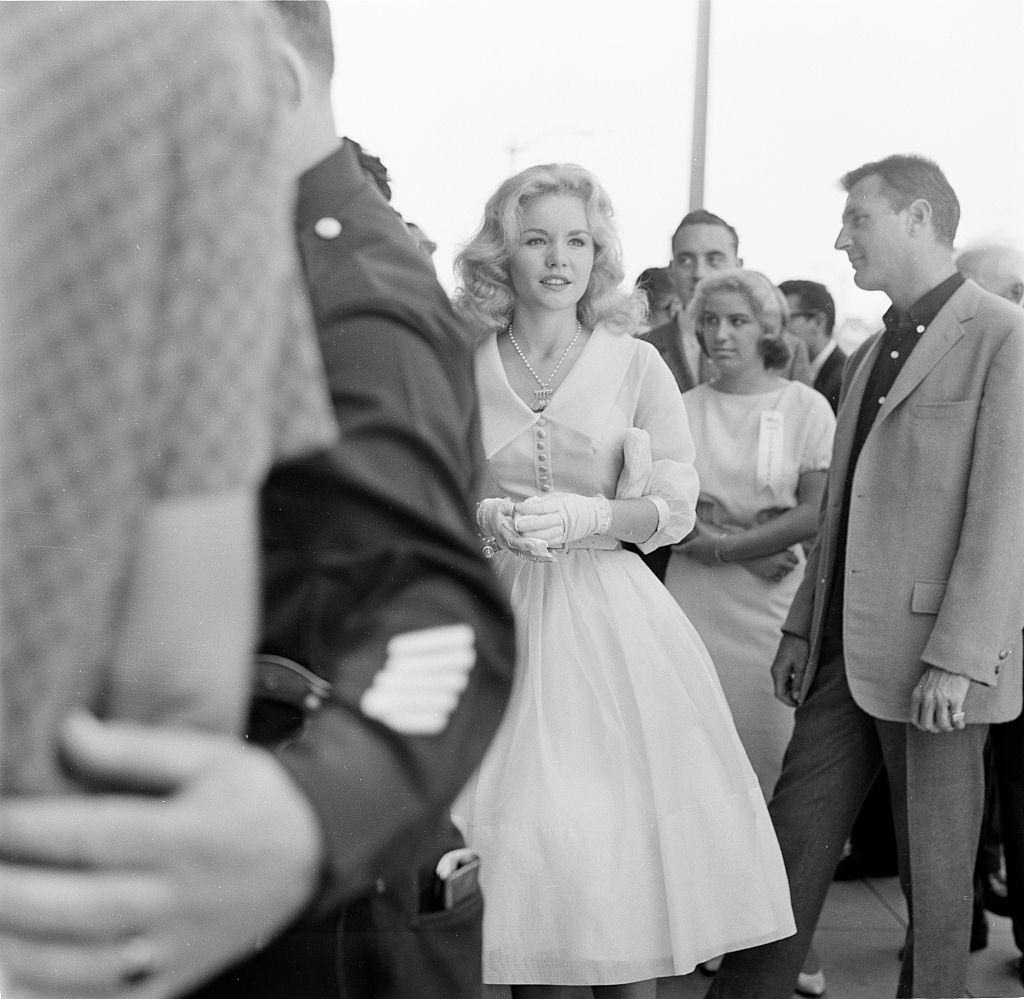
(819, 427)
(673, 485)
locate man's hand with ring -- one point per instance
(191, 851)
(937, 701)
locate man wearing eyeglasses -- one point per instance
(812, 317)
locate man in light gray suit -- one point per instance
(903, 642)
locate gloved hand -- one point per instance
(494, 517)
(561, 518)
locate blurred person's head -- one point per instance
(738, 314)
(812, 313)
(487, 295)
(309, 59)
(997, 268)
(899, 223)
(657, 284)
(702, 243)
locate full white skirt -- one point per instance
(623, 833)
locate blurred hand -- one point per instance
(774, 567)
(193, 850)
(789, 668)
(937, 701)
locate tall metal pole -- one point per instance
(698, 147)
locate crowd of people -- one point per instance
(360, 643)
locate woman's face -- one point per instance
(551, 265)
(731, 333)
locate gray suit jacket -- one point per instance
(934, 573)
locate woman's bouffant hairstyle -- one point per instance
(767, 305)
(486, 298)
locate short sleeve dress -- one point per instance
(622, 832)
(751, 452)
(157, 343)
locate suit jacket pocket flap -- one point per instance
(927, 596)
(945, 410)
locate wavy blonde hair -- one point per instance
(485, 296)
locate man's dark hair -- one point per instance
(654, 279)
(374, 169)
(701, 216)
(813, 297)
(307, 23)
(905, 178)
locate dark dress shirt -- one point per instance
(903, 331)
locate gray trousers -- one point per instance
(937, 784)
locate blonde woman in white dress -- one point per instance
(623, 833)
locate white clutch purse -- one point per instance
(636, 464)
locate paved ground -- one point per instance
(858, 938)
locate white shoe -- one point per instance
(710, 967)
(811, 984)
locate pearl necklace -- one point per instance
(542, 396)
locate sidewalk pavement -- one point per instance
(859, 936)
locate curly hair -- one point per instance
(486, 298)
(767, 306)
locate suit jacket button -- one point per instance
(1004, 654)
(327, 228)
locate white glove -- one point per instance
(561, 518)
(495, 518)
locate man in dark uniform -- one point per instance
(374, 581)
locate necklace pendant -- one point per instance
(541, 398)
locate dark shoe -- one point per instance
(979, 931)
(855, 866)
(994, 894)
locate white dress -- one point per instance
(739, 615)
(622, 831)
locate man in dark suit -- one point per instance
(812, 318)
(902, 643)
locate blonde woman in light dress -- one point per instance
(623, 833)
(763, 448)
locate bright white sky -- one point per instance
(800, 92)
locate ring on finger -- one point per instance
(956, 716)
(138, 957)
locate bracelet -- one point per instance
(604, 514)
(718, 548)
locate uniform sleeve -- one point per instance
(819, 429)
(371, 540)
(673, 485)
